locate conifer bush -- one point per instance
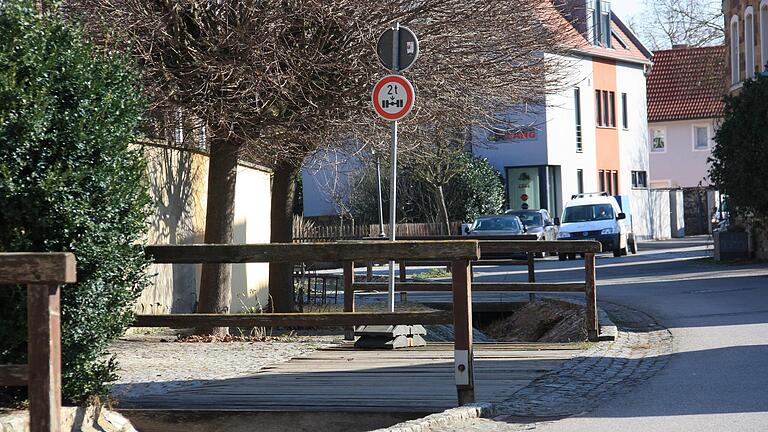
(70, 180)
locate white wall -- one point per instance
(681, 165)
(634, 148)
(326, 180)
(561, 129)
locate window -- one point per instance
(624, 112)
(659, 144)
(601, 16)
(749, 42)
(764, 35)
(601, 179)
(605, 108)
(577, 102)
(612, 100)
(605, 23)
(735, 73)
(639, 179)
(598, 108)
(700, 138)
(580, 180)
(615, 183)
(588, 213)
(608, 179)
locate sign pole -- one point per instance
(393, 180)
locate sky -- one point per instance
(625, 8)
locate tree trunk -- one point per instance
(442, 211)
(283, 196)
(215, 291)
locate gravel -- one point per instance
(157, 364)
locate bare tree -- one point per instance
(274, 81)
(665, 23)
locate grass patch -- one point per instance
(434, 273)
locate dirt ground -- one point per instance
(541, 321)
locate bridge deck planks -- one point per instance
(344, 379)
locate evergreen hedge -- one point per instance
(70, 181)
(741, 154)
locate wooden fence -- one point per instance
(43, 274)
(308, 232)
(496, 248)
(459, 252)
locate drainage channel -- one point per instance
(148, 420)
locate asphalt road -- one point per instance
(717, 378)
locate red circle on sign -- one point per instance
(524, 197)
(409, 94)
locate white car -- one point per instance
(597, 216)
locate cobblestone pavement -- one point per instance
(605, 370)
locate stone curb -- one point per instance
(85, 419)
(445, 418)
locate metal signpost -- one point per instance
(393, 98)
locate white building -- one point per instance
(592, 136)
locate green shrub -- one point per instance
(477, 190)
(741, 152)
(70, 181)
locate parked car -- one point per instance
(537, 222)
(497, 225)
(597, 216)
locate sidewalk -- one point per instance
(606, 370)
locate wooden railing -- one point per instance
(43, 274)
(502, 247)
(458, 252)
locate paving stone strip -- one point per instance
(605, 370)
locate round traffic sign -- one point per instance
(524, 197)
(393, 97)
(407, 48)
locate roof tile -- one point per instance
(686, 84)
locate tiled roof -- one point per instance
(686, 84)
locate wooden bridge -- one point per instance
(341, 376)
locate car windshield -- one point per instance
(588, 213)
(496, 223)
(530, 218)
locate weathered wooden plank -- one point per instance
(525, 246)
(317, 252)
(37, 268)
(332, 319)
(464, 237)
(591, 290)
(462, 327)
(499, 262)
(13, 375)
(44, 357)
(349, 296)
(476, 286)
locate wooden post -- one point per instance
(403, 275)
(44, 351)
(369, 272)
(531, 275)
(591, 291)
(462, 325)
(349, 296)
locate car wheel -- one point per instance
(562, 256)
(617, 253)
